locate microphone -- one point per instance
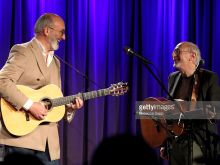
(201, 63)
(129, 51)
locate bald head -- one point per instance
(46, 20)
(193, 48)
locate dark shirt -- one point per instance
(184, 87)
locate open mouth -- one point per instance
(176, 59)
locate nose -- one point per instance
(63, 36)
(174, 55)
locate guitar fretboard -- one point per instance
(84, 96)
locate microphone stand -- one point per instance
(77, 71)
(170, 134)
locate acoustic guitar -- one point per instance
(156, 131)
(20, 122)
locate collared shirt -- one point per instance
(48, 59)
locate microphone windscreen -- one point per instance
(126, 49)
(201, 63)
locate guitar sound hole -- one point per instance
(47, 103)
(158, 128)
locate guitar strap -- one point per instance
(195, 89)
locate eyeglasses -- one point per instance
(177, 51)
(62, 32)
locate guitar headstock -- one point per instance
(118, 89)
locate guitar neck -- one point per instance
(84, 96)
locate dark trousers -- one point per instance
(27, 156)
(185, 151)
(199, 144)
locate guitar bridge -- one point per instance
(27, 116)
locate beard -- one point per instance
(176, 66)
(54, 43)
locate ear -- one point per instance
(192, 57)
(46, 31)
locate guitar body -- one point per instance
(16, 122)
(154, 131)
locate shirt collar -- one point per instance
(43, 51)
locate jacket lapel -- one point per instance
(203, 86)
(39, 58)
(176, 81)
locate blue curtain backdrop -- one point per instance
(96, 33)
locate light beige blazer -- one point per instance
(26, 66)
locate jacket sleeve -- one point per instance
(10, 74)
(69, 115)
(213, 91)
